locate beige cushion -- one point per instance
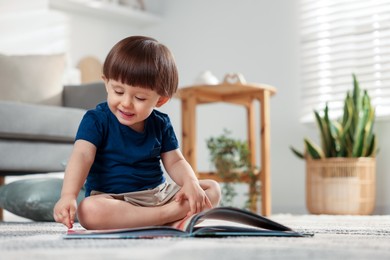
(32, 78)
(91, 69)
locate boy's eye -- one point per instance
(140, 98)
(118, 92)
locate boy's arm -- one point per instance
(181, 172)
(76, 172)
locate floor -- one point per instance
(336, 237)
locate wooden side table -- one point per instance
(236, 93)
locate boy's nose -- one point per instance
(127, 102)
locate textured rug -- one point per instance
(336, 237)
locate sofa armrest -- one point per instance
(84, 96)
(40, 123)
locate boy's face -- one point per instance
(132, 105)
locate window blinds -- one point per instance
(338, 38)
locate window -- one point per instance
(341, 37)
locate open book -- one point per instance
(216, 222)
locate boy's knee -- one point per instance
(214, 192)
(87, 213)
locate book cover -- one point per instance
(216, 222)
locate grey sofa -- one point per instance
(39, 116)
(37, 138)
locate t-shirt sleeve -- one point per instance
(91, 129)
(169, 141)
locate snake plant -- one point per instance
(350, 136)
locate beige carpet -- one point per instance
(336, 237)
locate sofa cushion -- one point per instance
(85, 96)
(38, 122)
(32, 78)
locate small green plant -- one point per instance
(231, 159)
(350, 136)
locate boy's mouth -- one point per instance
(126, 115)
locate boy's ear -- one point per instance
(161, 101)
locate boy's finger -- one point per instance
(72, 213)
(70, 224)
(66, 220)
(192, 206)
(199, 207)
(179, 196)
(71, 218)
(208, 203)
(64, 217)
(59, 217)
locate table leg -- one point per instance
(265, 154)
(189, 131)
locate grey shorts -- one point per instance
(158, 196)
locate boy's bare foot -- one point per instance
(175, 211)
(180, 224)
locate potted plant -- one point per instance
(340, 174)
(231, 160)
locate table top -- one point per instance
(228, 88)
(228, 92)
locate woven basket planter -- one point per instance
(341, 186)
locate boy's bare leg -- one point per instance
(213, 191)
(104, 212)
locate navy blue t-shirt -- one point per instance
(125, 160)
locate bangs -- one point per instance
(134, 70)
(145, 64)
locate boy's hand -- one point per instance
(65, 211)
(195, 195)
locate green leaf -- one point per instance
(322, 127)
(356, 93)
(336, 131)
(347, 115)
(350, 136)
(357, 150)
(331, 132)
(372, 150)
(313, 150)
(297, 153)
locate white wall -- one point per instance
(259, 38)
(94, 36)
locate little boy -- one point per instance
(120, 145)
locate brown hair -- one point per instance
(142, 62)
